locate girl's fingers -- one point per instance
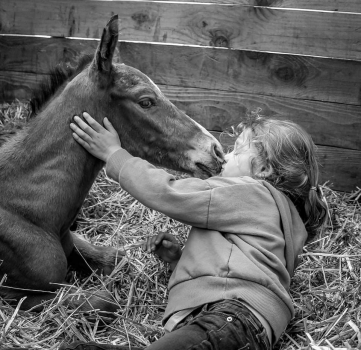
(167, 244)
(80, 133)
(84, 126)
(158, 238)
(164, 236)
(144, 246)
(92, 128)
(92, 122)
(172, 247)
(151, 244)
(80, 141)
(147, 245)
(108, 125)
(165, 240)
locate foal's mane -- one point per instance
(44, 92)
(58, 76)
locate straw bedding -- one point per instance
(325, 288)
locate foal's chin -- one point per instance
(203, 171)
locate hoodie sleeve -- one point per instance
(186, 200)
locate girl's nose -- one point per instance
(228, 156)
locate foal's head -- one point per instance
(149, 125)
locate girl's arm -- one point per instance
(186, 200)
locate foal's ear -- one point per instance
(105, 51)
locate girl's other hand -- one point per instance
(165, 246)
(99, 141)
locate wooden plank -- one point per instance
(329, 123)
(341, 168)
(315, 33)
(39, 55)
(292, 76)
(297, 77)
(18, 85)
(328, 5)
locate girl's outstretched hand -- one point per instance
(165, 246)
(99, 141)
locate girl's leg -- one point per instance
(219, 326)
(223, 325)
(79, 345)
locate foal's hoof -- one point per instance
(102, 301)
(79, 345)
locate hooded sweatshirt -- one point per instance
(244, 242)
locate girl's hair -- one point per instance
(288, 153)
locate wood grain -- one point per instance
(18, 85)
(297, 77)
(39, 55)
(315, 33)
(329, 123)
(328, 5)
(340, 168)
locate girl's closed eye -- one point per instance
(239, 161)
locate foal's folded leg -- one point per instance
(33, 260)
(34, 265)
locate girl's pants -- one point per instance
(224, 325)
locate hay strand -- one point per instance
(325, 288)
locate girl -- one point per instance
(229, 286)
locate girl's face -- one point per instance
(238, 162)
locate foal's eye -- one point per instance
(145, 103)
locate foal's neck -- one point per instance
(53, 165)
(54, 140)
(52, 172)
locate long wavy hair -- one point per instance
(287, 153)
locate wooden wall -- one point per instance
(298, 60)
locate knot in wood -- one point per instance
(219, 38)
(257, 56)
(285, 74)
(221, 41)
(266, 2)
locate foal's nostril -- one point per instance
(217, 152)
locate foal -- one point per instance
(45, 175)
